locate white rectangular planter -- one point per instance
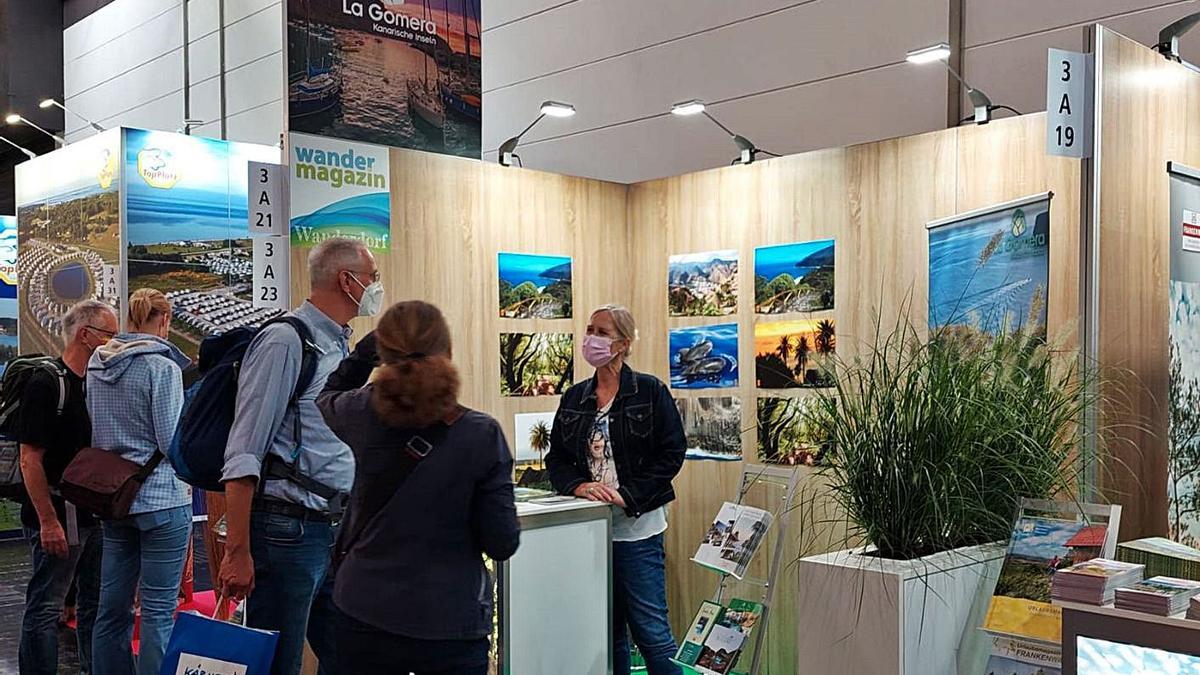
(865, 615)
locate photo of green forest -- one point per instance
(536, 364)
(787, 436)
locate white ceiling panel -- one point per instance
(528, 49)
(500, 12)
(805, 44)
(990, 68)
(986, 21)
(895, 101)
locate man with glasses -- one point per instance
(280, 532)
(65, 543)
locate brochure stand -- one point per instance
(785, 479)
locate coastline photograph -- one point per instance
(703, 284)
(793, 354)
(990, 273)
(536, 364)
(794, 278)
(402, 74)
(712, 426)
(535, 286)
(704, 357)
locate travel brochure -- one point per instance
(1094, 582)
(718, 636)
(1163, 596)
(733, 539)
(1162, 557)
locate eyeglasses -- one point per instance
(106, 334)
(374, 275)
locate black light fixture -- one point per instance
(191, 123)
(14, 119)
(979, 101)
(747, 151)
(1168, 38)
(49, 102)
(28, 153)
(507, 154)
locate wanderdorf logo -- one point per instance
(108, 169)
(157, 167)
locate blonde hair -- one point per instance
(146, 304)
(623, 320)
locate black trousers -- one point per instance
(366, 650)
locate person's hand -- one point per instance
(236, 580)
(595, 492)
(54, 539)
(616, 499)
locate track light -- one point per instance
(28, 153)
(1168, 38)
(15, 119)
(51, 103)
(940, 52)
(747, 151)
(507, 155)
(189, 124)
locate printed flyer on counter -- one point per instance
(339, 189)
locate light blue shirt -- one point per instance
(134, 397)
(263, 421)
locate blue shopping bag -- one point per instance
(203, 646)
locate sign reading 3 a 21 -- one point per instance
(267, 199)
(1069, 106)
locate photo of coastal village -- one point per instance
(703, 284)
(403, 73)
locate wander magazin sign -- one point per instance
(339, 189)
(402, 73)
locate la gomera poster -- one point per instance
(401, 73)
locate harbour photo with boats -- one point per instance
(402, 74)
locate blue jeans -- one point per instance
(322, 627)
(640, 606)
(44, 601)
(151, 547)
(291, 557)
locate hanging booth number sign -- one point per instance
(1069, 104)
(268, 223)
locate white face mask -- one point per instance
(372, 298)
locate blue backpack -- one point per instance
(198, 449)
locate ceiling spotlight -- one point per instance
(49, 102)
(14, 118)
(938, 52)
(1168, 38)
(507, 155)
(979, 101)
(556, 109)
(747, 151)
(688, 108)
(189, 124)
(28, 153)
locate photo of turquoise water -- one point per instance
(704, 357)
(1101, 657)
(535, 286)
(990, 273)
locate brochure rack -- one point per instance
(780, 478)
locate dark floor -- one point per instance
(14, 574)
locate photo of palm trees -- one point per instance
(536, 364)
(532, 436)
(787, 435)
(792, 354)
(794, 278)
(535, 286)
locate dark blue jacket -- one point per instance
(417, 569)
(647, 440)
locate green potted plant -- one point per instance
(932, 444)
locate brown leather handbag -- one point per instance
(104, 482)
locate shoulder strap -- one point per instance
(60, 377)
(149, 467)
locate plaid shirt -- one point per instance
(134, 397)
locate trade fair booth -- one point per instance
(755, 287)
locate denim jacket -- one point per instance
(647, 439)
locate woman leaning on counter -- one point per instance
(618, 439)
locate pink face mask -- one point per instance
(597, 350)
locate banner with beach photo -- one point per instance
(339, 189)
(401, 73)
(8, 289)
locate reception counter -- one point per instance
(555, 594)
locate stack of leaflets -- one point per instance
(733, 539)
(1162, 557)
(1193, 612)
(1164, 596)
(1001, 665)
(717, 637)
(1095, 581)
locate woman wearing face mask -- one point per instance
(618, 439)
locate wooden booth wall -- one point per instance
(874, 200)
(1149, 115)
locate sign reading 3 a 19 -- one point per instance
(1069, 104)
(267, 199)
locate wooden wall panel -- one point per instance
(1150, 114)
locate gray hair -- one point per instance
(623, 320)
(83, 314)
(332, 256)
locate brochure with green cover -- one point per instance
(716, 639)
(697, 633)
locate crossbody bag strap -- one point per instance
(149, 467)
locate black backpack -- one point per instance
(198, 450)
(17, 374)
